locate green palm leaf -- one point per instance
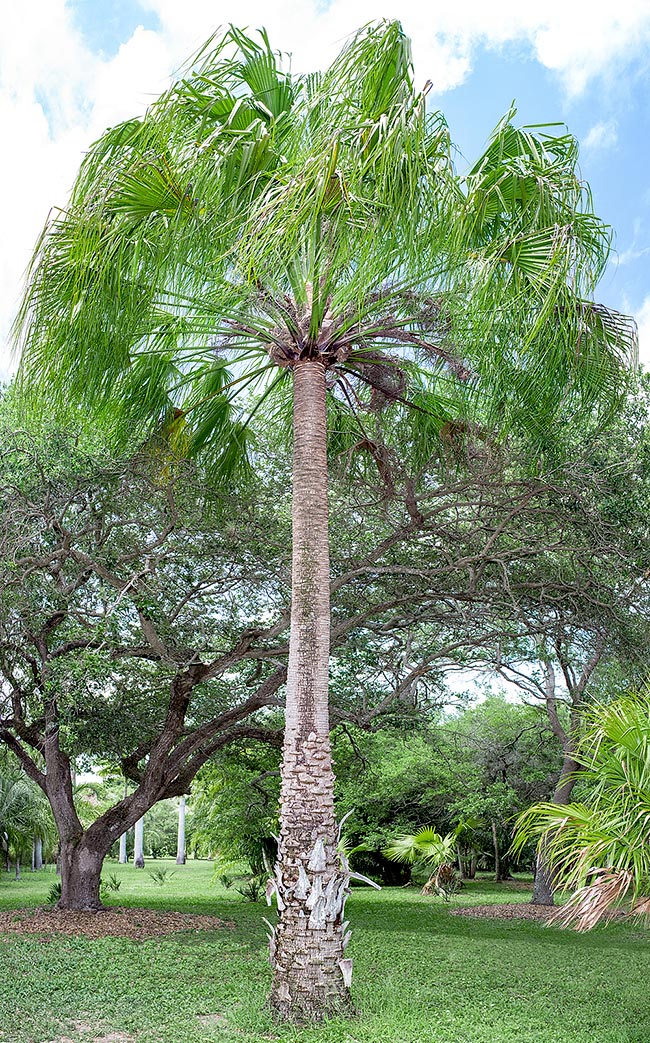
(600, 848)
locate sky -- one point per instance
(71, 68)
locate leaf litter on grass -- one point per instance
(507, 911)
(89, 1033)
(113, 922)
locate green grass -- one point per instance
(420, 975)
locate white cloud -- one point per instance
(576, 39)
(601, 136)
(56, 95)
(633, 254)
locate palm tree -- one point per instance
(599, 848)
(428, 848)
(180, 844)
(310, 233)
(25, 816)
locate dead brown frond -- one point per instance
(594, 902)
(641, 908)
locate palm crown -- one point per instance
(263, 218)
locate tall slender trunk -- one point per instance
(497, 854)
(138, 844)
(180, 844)
(460, 861)
(310, 975)
(17, 866)
(38, 853)
(123, 857)
(33, 854)
(543, 888)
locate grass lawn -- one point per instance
(420, 975)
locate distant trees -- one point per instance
(150, 629)
(591, 644)
(26, 823)
(465, 773)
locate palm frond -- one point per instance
(600, 849)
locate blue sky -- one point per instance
(106, 26)
(612, 124)
(69, 68)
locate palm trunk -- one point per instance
(138, 844)
(459, 862)
(180, 844)
(38, 853)
(123, 858)
(310, 975)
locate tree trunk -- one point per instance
(310, 974)
(543, 890)
(497, 856)
(81, 867)
(38, 853)
(180, 845)
(33, 854)
(543, 893)
(17, 866)
(138, 844)
(123, 858)
(461, 862)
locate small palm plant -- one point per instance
(428, 848)
(599, 849)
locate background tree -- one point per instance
(104, 639)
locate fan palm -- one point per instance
(600, 848)
(304, 238)
(428, 848)
(24, 812)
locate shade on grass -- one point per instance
(423, 976)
